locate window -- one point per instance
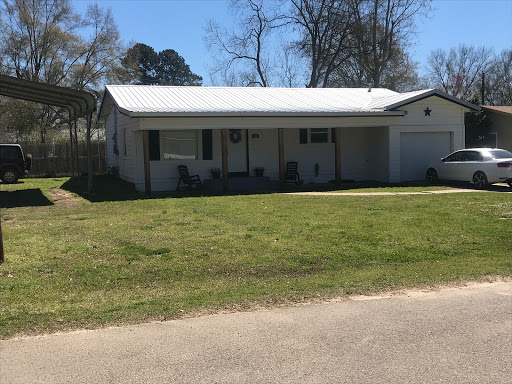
(456, 156)
(472, 156)
(179, 145)
(319, 135)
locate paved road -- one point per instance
(455, 335)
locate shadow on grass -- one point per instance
(23, 198)
(107, 188)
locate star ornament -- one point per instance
(427, 111)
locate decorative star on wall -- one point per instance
(427, 111)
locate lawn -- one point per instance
(123, 258)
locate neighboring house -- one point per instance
(500, 134)
(333, 133)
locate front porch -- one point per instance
(323, 155)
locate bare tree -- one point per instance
(459, 71)
(382, 31)
(498, 80)
(400, 74)
(43, 40)
(324, 30)
(99, 54)
(242, 54)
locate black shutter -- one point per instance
(154, 145)
(207, 144)
(303, 135)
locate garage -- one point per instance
(419, 149)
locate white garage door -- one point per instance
(418, 150)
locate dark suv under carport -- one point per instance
(13, 164)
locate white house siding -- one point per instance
(109, 133)
(264, 152)
(445, 116)
(121, 128)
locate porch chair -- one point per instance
(188, 181)
(292, 175)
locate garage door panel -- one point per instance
(418, 150)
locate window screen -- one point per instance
(179, 145)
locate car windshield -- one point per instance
(499, 154)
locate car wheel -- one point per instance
(432, 176)
(480, 180)
(9, 176)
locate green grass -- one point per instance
(125, 259)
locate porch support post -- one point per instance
(224, 145)
(280, 139)
(337, 155)
(147, 165)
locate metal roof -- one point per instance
(169, 101)
(137, 99)
(78, 103)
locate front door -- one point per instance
(237, 152)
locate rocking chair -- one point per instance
(188, 181)
(292, 175)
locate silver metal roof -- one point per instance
(168, 101)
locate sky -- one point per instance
(179, 25)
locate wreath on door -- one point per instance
(235, 135)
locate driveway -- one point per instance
(451, 335)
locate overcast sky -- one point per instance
(178, 25)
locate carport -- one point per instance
(77, 103)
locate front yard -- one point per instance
(73, 263)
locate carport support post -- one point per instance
(280, 139)
(337, 156)
(224, 146)
(1, 244)
(89, 159)
(147, 165)
(71, 147)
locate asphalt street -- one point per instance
(449, 335)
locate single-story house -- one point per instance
(333, 134)
(500, 135)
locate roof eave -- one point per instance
(433, 92)
(263, 114)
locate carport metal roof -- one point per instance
(78, 103)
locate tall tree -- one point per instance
(498, 80)
(399, 74)
(144, 66)
(46, 41)
(324, 29)
(242, 54)
(458, 72)
(381, 32)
